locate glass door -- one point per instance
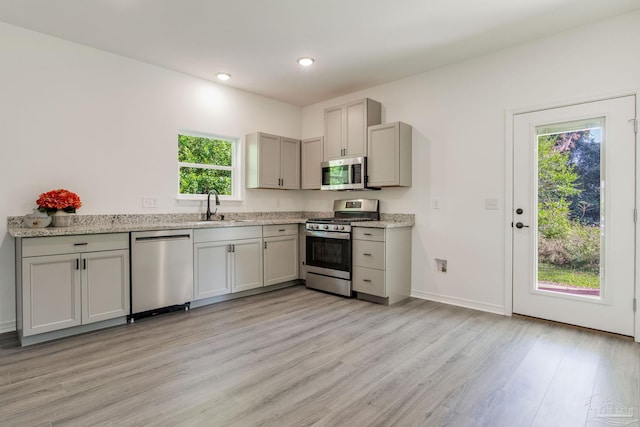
(573, 214)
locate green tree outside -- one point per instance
(556, 185)
(568, 224)
(205, 164)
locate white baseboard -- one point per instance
(7, 326)
(460, 302)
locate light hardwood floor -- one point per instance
(297, 357)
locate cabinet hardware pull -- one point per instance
(84, 263)
(228, 248)
(281, 230)
(366, 254)
(233, 248)
(80, 244)
(265, 245)
(77, 264)
(367, 234)
(366, 280)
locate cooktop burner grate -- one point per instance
(340, 220)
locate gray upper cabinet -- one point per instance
(311, 172)
(272, 161)
(389, 155)
(345, 128)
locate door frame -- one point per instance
(508, 197)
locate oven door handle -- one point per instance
(329, 235)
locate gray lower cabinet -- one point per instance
(302, 245)
(227, 260)
(382, 263)
(280, 253)
(70, 281)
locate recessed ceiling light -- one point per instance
(306, 61)
(223, 76)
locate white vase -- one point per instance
(61, 219)
(37, 219)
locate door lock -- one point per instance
(521, 225)
(519, 211)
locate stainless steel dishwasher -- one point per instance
(161, 270)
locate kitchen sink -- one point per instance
(216, 221)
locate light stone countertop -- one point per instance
(101, 224)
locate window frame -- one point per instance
(235, 168)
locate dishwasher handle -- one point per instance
(163, 238)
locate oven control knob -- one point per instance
(335, 227)
(342, 227)
(315, 226)
(326, 227)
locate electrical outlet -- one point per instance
(441, 265)
(435, 204)
(149, 202)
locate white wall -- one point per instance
(105, 127)
(458, 114)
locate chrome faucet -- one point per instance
(209, 214)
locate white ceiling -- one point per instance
(356, 43)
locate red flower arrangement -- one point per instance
(61, 199)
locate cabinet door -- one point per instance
(384, 154)
(302, 251)
(290, 163)
(105, 285)
(311, 171)
(280, 259)
(51, 293)
(211, 269)
(246, 264)
(269, 158)
(356, 129)
(333, 133)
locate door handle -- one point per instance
(521, 225)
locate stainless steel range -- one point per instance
(328, 254)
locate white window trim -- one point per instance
(236, 169)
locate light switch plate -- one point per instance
(435, 204)
(491, 204)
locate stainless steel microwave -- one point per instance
(344, 174)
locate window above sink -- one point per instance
(208, 162)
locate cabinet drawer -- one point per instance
(364, 233)
(37, 246)
(368, 254)
(280, 230)
(369, 281)
(227, 233)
